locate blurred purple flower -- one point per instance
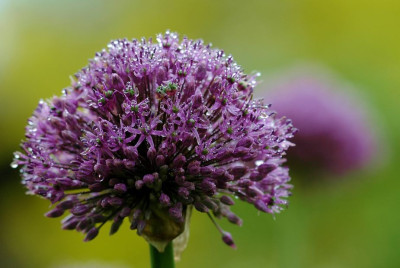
(147, 131)
(334, 135)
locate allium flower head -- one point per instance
(148, 131)
(334, 135)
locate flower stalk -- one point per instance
(163, 259)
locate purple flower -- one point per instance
(334, 136)
(148, 131)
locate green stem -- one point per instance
(162, 259)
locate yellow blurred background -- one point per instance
(351, 222)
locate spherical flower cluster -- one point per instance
(334, 135)
(149, 130)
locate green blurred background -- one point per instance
(350, 222)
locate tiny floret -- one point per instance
(148, 131)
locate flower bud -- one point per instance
(115, 201)
(227, 200)
(266, 168)
(201, 207)
(179, 161)
(227, 238)
(160, 160)
(91, 234)
(260, 205)
(120, 187)
(125, 212)
(54, 213)
(164, 199)
(79, 210)
(201, 72)
(115, 225)
(148, 179)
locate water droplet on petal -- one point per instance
(258, 162)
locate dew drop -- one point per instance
(258, 162)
